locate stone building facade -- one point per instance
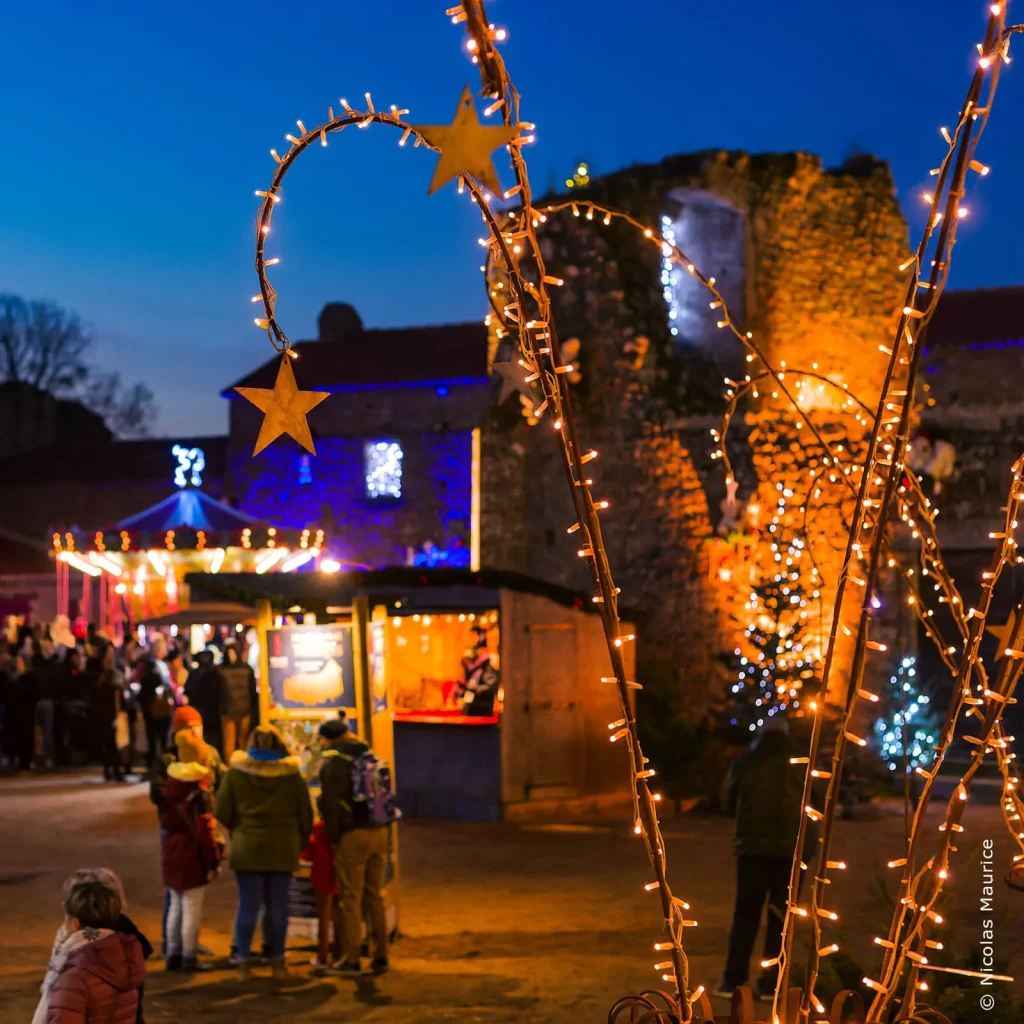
(808, 260)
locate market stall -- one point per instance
(483, 689)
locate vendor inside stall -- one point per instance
(446, 667)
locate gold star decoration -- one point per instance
(1004, 633)
(284, 408)
(466, 146)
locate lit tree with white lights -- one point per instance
(906, 731)
(776, 665)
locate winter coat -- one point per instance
(339, 810)
(107, 700)
(320, 855)
(189, 849)
(264, 803)
(239, 686)
(764, 793)
(126, 926)
(207, 693)
(100, 983)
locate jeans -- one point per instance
(156, 737)
(183, 917)
(756, 879)
(44, 720)
(269, 890)
(359, 862)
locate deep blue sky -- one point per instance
(135, 134)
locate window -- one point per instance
(383, 469)
(305, 470)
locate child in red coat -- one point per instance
(320, 853)
(100, 971)
(190, 851)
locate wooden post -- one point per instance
(264, 622)
(361, 668)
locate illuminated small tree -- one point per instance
(776, 665)
(906, 731)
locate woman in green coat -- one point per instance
(264, 803)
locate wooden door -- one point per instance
(552, 712)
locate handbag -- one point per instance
(122, 734)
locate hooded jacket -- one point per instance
(337, 807)
(189, 850)
(264, 803)
(100, 983)
(764, 793)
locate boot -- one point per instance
(173, 963)
(195, 966)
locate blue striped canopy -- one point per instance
(187, 509)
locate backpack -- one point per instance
(372, 790)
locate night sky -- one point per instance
(134, 136)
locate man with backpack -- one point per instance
(357, 805)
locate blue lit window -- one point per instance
(383, 469)
(305, 469)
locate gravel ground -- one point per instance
(538, 923)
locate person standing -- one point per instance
(189, 851)
(20, 713)
(357, 822)
(107, 709)
(102, 971)
(763, 791)
(206, 692)
(239, 687)
(156, 703)
(264, 803)
(44, 670)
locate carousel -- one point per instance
(134, 571)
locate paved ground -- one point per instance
(501, 923)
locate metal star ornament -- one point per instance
(513, 378)
(1003, 633)
(284, 408)
(466, 146)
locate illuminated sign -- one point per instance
(191, 463)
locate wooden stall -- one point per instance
(482, 689)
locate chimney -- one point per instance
(338, 321)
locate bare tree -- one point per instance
(45, 346)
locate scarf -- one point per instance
(64, 945)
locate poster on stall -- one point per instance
(311, 668)
(378, 679)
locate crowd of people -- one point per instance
(70, 697)
(259, 808)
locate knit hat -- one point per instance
(333, 728)
(185, 717)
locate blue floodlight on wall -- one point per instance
(305, 470)
(191, 463)
(383, 461)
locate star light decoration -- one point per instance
(284, 408)
(466, 146)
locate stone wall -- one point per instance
(820, 285)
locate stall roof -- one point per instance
(187, 507)
(205, 611)
(425, 589)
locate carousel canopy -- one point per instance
(189, 509)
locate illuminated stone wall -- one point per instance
(818, 275)
(434, 506)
